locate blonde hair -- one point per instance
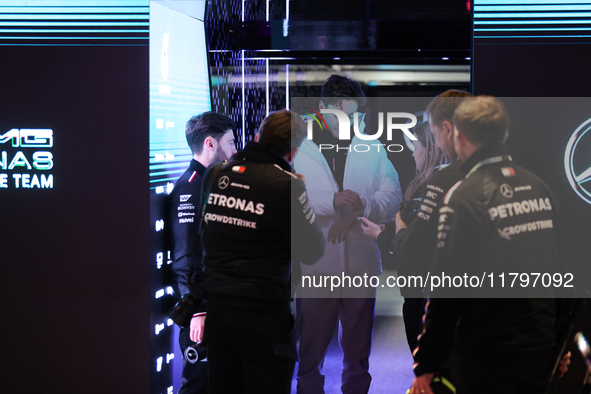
(433, 158)
(482, 119)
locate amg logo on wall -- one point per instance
(25, 159)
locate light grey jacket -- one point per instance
(373, 177)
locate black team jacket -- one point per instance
(183, 218)
(257, 221)
(500, 218)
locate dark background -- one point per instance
(539, 132)
(74, 258)
(74, 263)
(526, 68)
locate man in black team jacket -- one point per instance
(257, 220)
(211, 139)
(501, 217)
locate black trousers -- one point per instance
(413, 311)
(249, 351)
(194, 377)
(493, 373)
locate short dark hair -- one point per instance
(442, 107)
(482, 119)
(207, 124)
(282, 131)
(338, 87)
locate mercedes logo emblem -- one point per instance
(506, 190)
(577, 161)
(224, 182)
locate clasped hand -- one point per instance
(341, 226)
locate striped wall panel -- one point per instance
(74, 22)
(533, 21)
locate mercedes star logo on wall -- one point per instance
(577, 161)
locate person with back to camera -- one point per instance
(428, 160)
(496, 345)
(415, 245)
(211, 138)
(257, 220)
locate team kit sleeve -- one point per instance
(462, 230)
(307, 240)
(184, 220)
(415, 245)
(322, 201)
(452, 226)
(320, 185)
(435, 343)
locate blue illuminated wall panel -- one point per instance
(533, 20)
(74, 22)
(179, 88)
(532, 47)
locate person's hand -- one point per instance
(301, 176)
(197, 324)
(350, 198)
(422, 384)
(370, 228)
(399, 222)
(564, 363)
(341, 226)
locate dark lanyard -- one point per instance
(490, 160)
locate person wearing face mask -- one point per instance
(428, 159)
(344, 183)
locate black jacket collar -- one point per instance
(196, 166)
(257, 153)
(487, 151)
